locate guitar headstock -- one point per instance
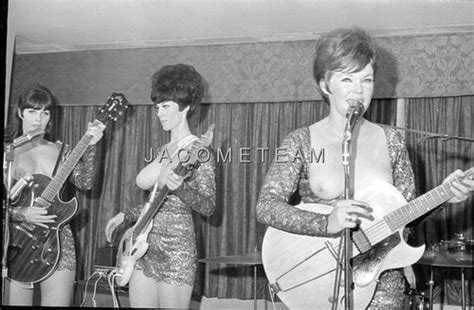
(207, 137)
(198, 152)
(114, 107)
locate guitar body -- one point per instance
(34, 251)
(130, 250)
(301, 269)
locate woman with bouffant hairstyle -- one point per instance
(164, 276)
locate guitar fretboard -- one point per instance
(396, 220)
(157, 201)
(417, 207)
(61, 176)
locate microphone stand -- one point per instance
(345, 246)
(347, 233)
(7, 164)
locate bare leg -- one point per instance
(143, 291)
(57, 290)
(174, 296)
(147, 293)
(20, 294)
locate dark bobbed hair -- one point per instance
(180, 83)
(342, 50)
(36, 97)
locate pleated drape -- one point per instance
(255, 129)
(433, 159)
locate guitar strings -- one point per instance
(443, 194)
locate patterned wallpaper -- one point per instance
(410, 66)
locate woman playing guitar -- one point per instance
(164, 276)
(40, 156)
(344, 70)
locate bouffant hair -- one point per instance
(180, 83)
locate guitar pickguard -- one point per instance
(367, 266)
(34, 251)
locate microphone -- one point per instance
(353, 113)
(27, 137)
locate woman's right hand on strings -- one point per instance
(346, 214)
(112, 224)
(38, 216)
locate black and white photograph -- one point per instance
(238, 154)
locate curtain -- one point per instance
(433, 160)
(255, 129)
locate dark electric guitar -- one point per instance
(133, 244)
(301, 269)
(34, 251)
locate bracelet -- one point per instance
(17, 214)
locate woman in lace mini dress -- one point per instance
(164, 276)
(40, 156)
(344, 70)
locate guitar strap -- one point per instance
(63, 149)
(182, 144)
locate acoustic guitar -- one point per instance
(301, 269)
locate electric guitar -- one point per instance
(301, 269)
(34, 251)
(133, 244)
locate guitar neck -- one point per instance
(154, 205)
(113, 108)
(399, 218)
(155, 202)
(66, 168)
(414, 209)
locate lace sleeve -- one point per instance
(199, 191)
(280, 183)
(132, 213)
(402, 171)
(84, 173)
(18, 214)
